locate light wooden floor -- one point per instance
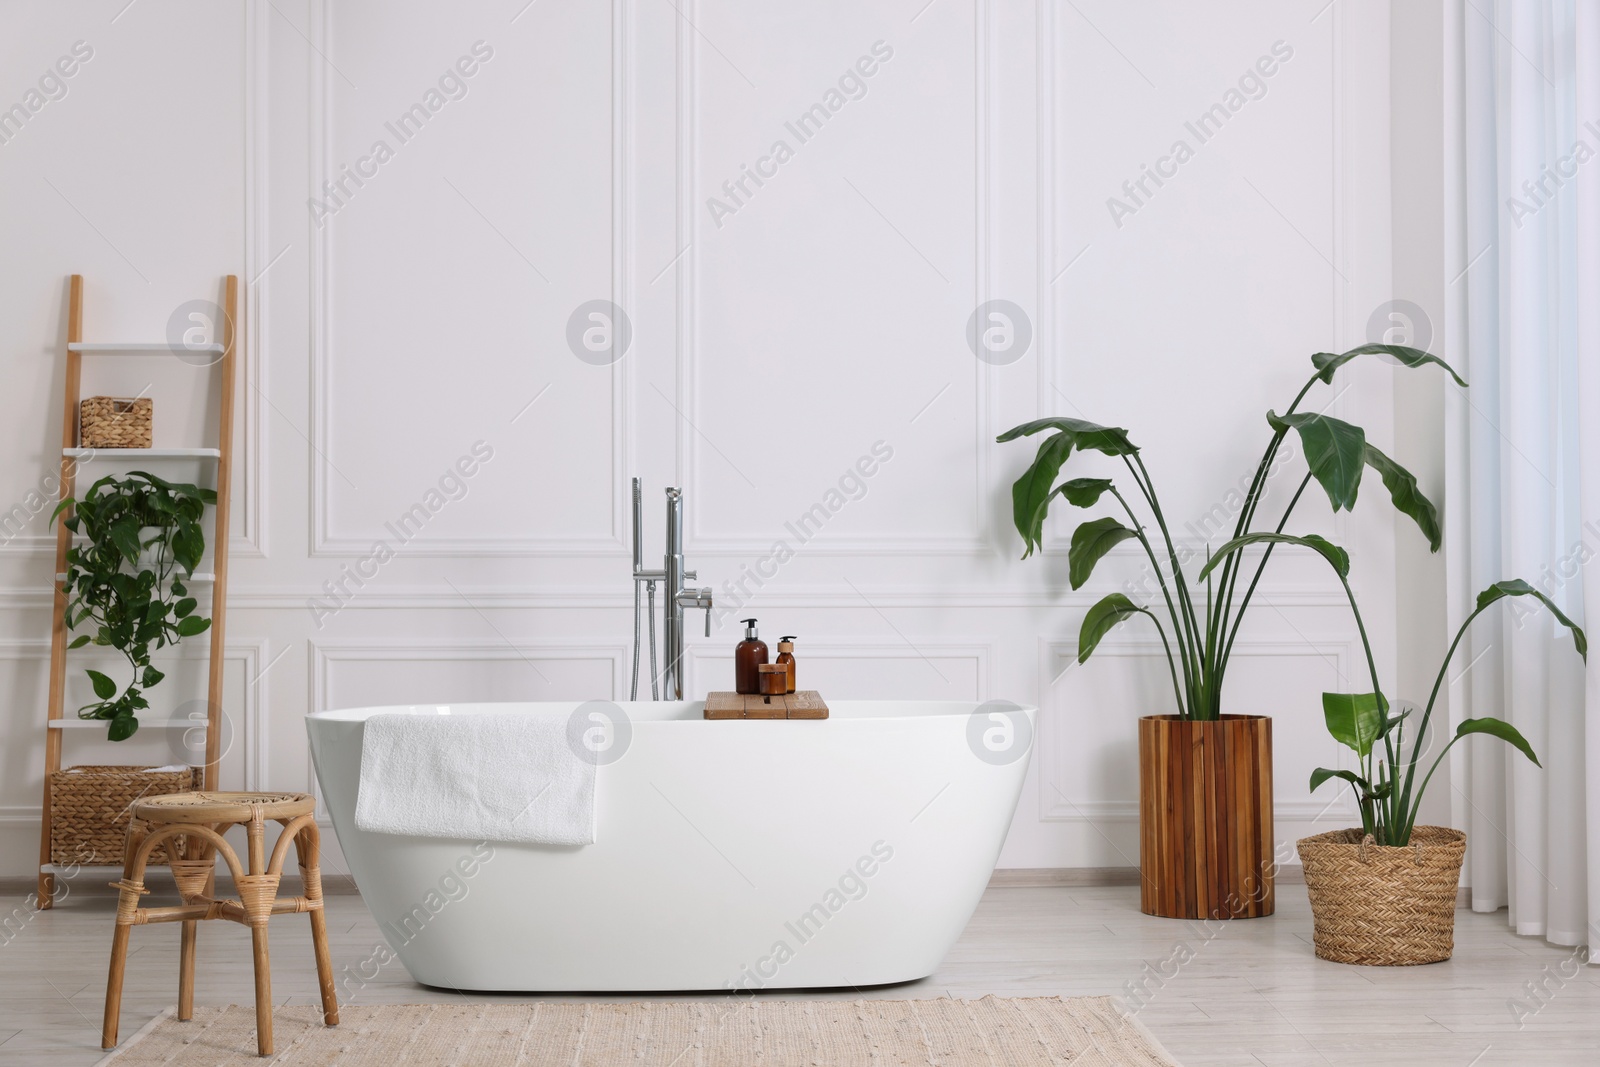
(1247, 992)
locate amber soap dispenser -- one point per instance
(748, 656)
(786, 658)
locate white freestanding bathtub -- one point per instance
(730, 855)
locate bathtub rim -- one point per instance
(680, 711)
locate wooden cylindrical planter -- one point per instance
(1384, 906)
(1205, 817)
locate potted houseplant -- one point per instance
(1205, 781)
(138, 531)
(1385, 894)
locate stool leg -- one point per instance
(308, 844)
(258, 903)
(127, 907)
(119, 959)
(193, 848)
(186, 971)
(258, 938)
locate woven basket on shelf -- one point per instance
(1381, 905)
(115, 422)
(90, 808)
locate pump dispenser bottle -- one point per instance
(750, 654)
(786, 657)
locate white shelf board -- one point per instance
(104, 347)
(101, 724)
(197, 578)
(143, 453)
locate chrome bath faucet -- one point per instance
(676, 598)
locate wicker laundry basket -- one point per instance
(115, 422)
(1381, 905)
(90, 807)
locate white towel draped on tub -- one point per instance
(511, 778)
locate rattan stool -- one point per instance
(195, 823)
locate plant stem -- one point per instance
(1412, 816)
(1366, 645)
(1427, 714)
(1176, 691)
(1227, 648)
(1229, 580)
(1192, 628)
(1138, 529)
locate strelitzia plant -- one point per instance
(1337, 453)
(1386, 789)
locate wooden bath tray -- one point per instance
(801, 704)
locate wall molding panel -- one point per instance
(259, 258)
(689, 387)
(326, 409)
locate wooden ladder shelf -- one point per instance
(71, 454)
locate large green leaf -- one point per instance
(124, 534)
(1403, 491)
(1084, 492)
(1518, 587)
(104, 687)
(1090, 543)
(1354, 719)
(1501, 729)
(188, 544)
(1326, 362)
(1322, 774)
(1328, 550)
(123, 727)
(193, 625)
(1335, 450)
(1101, 620)
(1028, 429)
(1090, 436)
(1030, 494)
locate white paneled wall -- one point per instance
(798, 208)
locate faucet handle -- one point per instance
(691, 576)
(700, 598)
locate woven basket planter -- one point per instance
(90, 808)
(1205, 817)
(1380, 905)
(114, 422)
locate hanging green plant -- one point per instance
(138, 532)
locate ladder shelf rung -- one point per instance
(142, 453)
(132, 347)
(101, 724)
(197, 578)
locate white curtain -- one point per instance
(1522, 220)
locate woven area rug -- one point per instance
(1005, 1032)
